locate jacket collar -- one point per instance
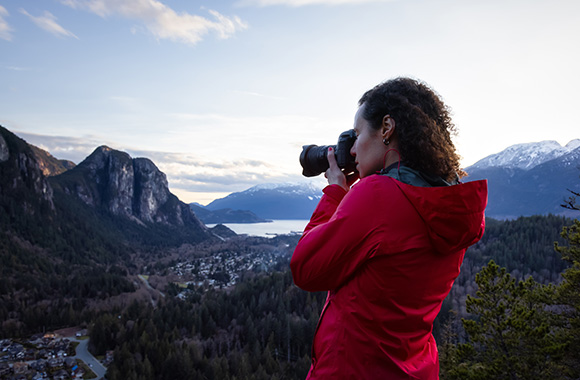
(414, 177)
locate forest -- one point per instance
(512, 313)
(519, 320)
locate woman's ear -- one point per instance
(388, 127)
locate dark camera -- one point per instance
(313, 157)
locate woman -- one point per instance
(389, 248)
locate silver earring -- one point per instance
(386, 142)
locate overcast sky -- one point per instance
(221, 95)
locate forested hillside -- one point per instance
(69, 259)
(263, 328)
(525, 247)
(518, 329)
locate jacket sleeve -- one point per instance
(342, 234)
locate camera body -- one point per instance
(314, 161)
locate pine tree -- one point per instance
(510, 336)
(568, 295)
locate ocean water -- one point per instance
(276, 227)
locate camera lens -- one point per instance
(313, 159)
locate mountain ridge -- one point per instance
(527, 155)
(273, 201)
(523, 179)
(517, 189)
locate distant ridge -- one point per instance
(529, 179)
(523, 179)
(273, 201)
(527, 156)
(226, 215)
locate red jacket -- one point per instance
(388, 254)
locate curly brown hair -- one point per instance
(423, 125)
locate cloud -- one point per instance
(5, 29)
(64, 147)
(162, 21)
(184, 171)
(48, 23)
(300, 3)
(191, 177)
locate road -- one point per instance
(151, 290)
(83, 353)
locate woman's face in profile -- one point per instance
(368, 149)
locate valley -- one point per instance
(105, 246)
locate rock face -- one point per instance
(50, 165)
(4, 153)
(130, 187)
(151, 192)
(21, 178)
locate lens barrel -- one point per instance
(313, 159)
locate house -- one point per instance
(36, 339)
(39, 365)
(109, 356)
(29, 354)
(4, 369)
(43, 353)
(79, 373)
(20, 367)
(15, 351)
(61, 374)
(55, 363)
(70, 362)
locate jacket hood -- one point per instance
(454, 214)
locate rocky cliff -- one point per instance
(49, 164)
(23, 187)
(133, 188)
(125, 199)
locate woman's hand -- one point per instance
(335, 175)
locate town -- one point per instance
(46, 356)
(222, 268)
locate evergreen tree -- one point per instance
(568, 295)
(510, 336)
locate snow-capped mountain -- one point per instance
(524, 179)
(274, 201)
(527, 156)
(529, 179)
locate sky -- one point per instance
(221, 95)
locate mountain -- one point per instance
(71, 235)
(226, 215)
(108, 199)
(54, 253)
(273, 201)
(529, 179)
(23, 186)
(49, 164)
(524, 180)
(135, 194)
(526, 156)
